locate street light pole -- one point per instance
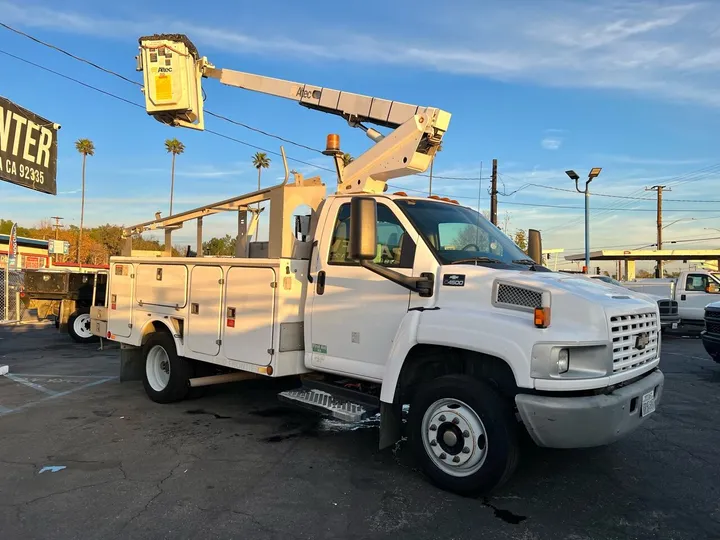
(591, 176)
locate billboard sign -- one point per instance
(28, 148)
(13, 248)
(58, 247)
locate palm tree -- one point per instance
(260, 161)
(174, 147)
(347, 159)
(86, 148)
(439, 149)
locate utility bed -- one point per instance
(244, 314)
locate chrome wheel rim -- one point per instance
(454, 437)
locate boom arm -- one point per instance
(173, 71)
(355, 108)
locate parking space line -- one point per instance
(61, 376)
(686, 355)
(32, 385)
(55, 395)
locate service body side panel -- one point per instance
(203, 328)
(250, 297)
(121, 301)
(161, 285)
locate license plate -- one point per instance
(648, 403)
(674, 326)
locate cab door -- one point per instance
(695, 297)
(356, 313)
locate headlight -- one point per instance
(563, 361)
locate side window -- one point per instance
(696, 283)
(394, 247)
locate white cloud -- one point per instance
(669, 51)
(636, 160)
(551, 143)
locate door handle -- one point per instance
(683, 297)
(320, 287)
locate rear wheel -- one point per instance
(79, 327)
(463, 434)
(166, 376)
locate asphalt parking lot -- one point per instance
(83, 456)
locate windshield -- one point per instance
(457, 234)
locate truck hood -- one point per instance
(579, 305)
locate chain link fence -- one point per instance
(11, 304)
(15, 307)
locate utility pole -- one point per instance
(659, 189)
(57, 230)
(57, 225)
(493, 193)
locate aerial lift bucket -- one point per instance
(172, 73)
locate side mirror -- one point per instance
(712, 289)
(363, 228)
(535, 246)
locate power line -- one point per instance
(66, 53)
(71, 79)
(210, 113)
(127, 101)
(126, 79)
(554, 188)
(216, 133)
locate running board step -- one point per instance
(326, 403)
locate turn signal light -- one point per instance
(542, 317)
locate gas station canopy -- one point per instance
(649, 255)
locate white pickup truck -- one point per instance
(693, 290)
(380, 301)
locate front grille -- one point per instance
(626, 331)
(712, 327)
(712, 320)
(518, 296)
(668, 307)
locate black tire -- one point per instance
(78, 327)
(180, 371)
(500, 439)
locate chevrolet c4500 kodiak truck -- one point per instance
(379, 301)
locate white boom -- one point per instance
(172, 74)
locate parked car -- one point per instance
(693, 290)
(711, 334)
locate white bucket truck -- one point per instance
(383, 300)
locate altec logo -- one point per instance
(164, 70)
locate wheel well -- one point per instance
(427, 362)
(154, 326)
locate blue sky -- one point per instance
(541, 86)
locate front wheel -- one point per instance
(79, 327)
(463, 434)
(166, 377)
